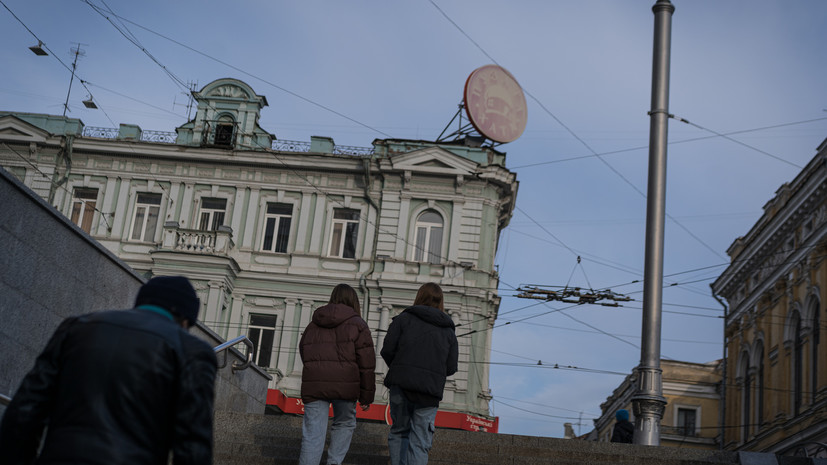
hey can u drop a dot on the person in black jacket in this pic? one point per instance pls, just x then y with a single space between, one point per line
421 351
623 430
119 387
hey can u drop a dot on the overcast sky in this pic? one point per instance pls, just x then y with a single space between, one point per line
748 76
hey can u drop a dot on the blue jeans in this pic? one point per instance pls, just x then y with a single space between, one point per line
314 429
412 432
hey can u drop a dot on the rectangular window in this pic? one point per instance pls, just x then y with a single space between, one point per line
147 208
83 207
277 227
686 421
261 332
345 233
212 213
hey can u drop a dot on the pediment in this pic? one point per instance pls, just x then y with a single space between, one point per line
13 128
433 160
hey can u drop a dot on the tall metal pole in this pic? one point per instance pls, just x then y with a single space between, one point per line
648 402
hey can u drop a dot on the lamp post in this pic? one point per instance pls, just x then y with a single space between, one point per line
648 402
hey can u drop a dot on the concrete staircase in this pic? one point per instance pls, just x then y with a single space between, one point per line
252 439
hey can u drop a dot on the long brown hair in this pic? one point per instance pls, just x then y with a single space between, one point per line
345 295
430 294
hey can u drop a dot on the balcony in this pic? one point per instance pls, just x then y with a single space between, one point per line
219 242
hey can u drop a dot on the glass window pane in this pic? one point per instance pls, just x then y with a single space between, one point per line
350 240
266 348
283 235
213 204
430 217
217 220
419 248
268 321
138 225
269 228
151 224
346 214
435 246
204 224
279 209
336 240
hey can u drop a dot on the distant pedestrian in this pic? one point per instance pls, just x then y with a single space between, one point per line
421 351
339 362
119 387
624 430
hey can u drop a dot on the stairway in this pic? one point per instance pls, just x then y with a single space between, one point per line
253 439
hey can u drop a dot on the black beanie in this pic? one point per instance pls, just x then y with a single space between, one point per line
173 293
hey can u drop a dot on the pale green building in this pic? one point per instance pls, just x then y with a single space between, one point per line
266 228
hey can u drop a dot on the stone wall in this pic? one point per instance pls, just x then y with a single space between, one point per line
50 270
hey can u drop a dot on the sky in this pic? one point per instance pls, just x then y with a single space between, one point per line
748 77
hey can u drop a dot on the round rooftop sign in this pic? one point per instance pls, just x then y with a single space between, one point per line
495 103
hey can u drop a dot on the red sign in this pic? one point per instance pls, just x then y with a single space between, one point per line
380 412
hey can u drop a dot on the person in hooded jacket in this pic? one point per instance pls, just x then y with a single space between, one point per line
421 352
623 431
339 362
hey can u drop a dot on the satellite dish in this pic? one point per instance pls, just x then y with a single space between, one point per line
495 103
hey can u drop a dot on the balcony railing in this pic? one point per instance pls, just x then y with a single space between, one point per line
169 137
218 242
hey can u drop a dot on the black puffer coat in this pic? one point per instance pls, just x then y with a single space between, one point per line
338 356
118 387
420 350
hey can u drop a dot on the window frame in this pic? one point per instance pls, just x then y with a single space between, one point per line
257 346
277 227
344 232
425 253
680 427
85 218
147 207
211 211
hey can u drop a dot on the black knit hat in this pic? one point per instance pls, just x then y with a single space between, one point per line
173 293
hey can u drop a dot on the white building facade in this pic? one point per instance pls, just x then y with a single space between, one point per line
265 229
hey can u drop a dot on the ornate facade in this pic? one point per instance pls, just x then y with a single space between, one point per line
775 378
691 418
266 228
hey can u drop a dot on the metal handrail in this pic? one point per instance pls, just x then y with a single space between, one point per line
4 399
802 447
237 366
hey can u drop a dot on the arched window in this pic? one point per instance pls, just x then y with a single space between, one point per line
746 395
815 329
224 130
797 362
428 238
759 385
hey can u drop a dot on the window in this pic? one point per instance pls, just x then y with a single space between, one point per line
686 421
212 213
224 131
83 207
276 227
345 233
814 336
798 371
759 388
428 241
145 220
746 395
261 332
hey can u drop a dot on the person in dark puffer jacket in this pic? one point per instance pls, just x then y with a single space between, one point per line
339 362
421 351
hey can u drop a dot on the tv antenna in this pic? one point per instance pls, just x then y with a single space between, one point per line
77 52
191 86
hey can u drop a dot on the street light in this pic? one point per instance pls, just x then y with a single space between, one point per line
38 49
89 103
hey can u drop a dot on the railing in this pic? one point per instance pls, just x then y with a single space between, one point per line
4 399
807 449
169 137
226 346
197 241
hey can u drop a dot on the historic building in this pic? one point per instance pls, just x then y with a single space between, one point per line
776 394
266 228
691 418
